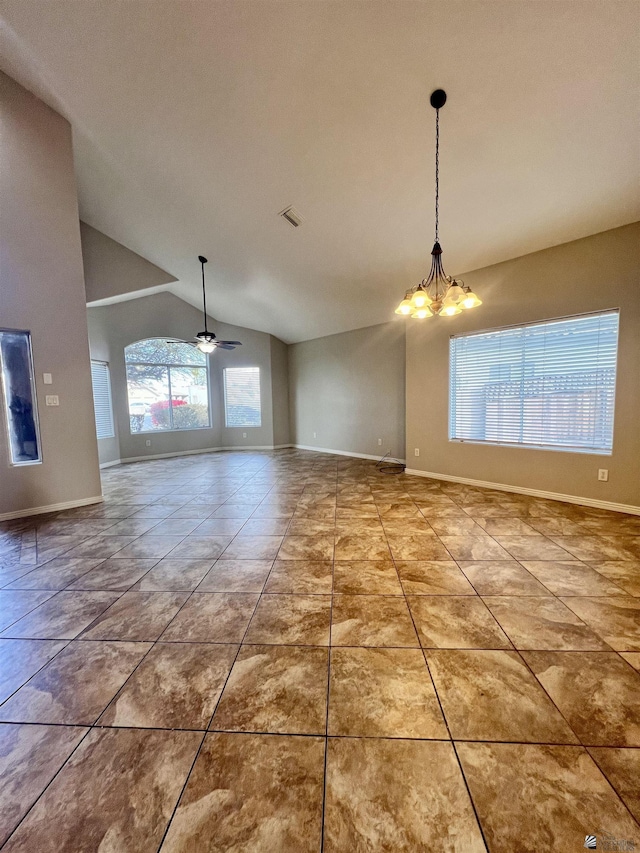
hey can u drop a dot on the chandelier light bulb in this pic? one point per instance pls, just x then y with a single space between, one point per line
470 300
421 314
405 307
420 298
448 310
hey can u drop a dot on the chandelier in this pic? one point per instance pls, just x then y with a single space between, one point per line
439 293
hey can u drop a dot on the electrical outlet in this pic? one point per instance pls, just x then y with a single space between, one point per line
52 400
47 379
416 452
315 435
244 435
148 442
379 441
603 474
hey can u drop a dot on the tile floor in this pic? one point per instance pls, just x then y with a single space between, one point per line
289 651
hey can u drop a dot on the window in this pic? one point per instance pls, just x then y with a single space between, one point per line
168 386
547 385
19 392
242 397
102 399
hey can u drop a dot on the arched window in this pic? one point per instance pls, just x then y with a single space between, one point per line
168 386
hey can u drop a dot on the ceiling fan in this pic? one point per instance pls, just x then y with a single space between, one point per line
206 341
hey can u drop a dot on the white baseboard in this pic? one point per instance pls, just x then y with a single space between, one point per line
40 510
536 493
128 459
343 453
110 464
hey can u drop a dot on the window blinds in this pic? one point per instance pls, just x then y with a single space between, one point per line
546 385
242 397
102 399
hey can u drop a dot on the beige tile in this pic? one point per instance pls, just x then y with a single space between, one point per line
506 527
531 798
433 577
383 693
474 548
362 546
291 620
200 548
236 576
114 574
375 577
212 617
372 802
492 695
371 620
137 616
598 693
417 547
30 756
174 576
15 603
533 548
462 526
301 576
571 578
253 548
116 792
542 623
616 620
456 622
622 769
592 548
76 686
148 546
625 574
56 574
318 547
20 659
501 577
633 658
61 617
279 689
252 792
176 686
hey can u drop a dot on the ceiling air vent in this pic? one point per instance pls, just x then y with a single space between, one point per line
291 216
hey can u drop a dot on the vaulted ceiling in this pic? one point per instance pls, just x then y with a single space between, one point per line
196 123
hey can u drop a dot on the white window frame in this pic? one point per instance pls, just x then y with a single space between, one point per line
168 368
111 430
595 449
226 410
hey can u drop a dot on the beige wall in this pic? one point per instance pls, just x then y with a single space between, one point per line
113 327
42 290
280 391
110 269
349 390
592 274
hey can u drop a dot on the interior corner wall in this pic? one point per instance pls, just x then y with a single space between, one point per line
280 392
593 274
347 391
42 291
164 315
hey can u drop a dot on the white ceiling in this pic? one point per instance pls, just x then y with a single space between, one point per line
195 123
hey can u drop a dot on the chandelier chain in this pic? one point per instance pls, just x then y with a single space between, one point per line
437 167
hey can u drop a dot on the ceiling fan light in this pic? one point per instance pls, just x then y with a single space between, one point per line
205 346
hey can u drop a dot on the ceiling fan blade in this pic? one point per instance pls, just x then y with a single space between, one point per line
224 346
231 343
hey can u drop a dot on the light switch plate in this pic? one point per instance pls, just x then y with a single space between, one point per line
47 379
52 400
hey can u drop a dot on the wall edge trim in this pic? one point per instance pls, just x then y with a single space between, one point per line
40 510
342 452
126 459
536 493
